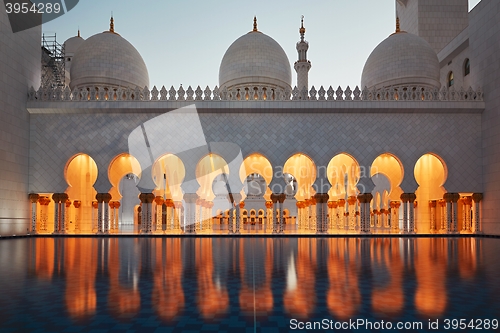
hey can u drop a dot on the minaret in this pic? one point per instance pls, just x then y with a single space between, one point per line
302 66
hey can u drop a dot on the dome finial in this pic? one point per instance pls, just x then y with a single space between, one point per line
255 23
79 32
302 30
111 24
397 24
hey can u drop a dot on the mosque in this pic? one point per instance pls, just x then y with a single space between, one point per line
88 147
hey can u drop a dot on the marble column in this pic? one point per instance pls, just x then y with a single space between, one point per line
57 212
105 218
147 212
176 215
78 215
343 225
239 207
269 216
321 212
159 214
281 199
395 216
274 198
364 212
447 197
94 217
432 210
405 198
412 204
351 201
65 206
299 205
476 223
190 212
33 197
44 213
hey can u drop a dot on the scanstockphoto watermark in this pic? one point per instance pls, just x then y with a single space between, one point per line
356 324
26 14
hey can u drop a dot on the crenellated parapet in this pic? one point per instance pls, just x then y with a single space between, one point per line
254 93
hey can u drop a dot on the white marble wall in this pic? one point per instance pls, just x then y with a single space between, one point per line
20 67
484 32
437 21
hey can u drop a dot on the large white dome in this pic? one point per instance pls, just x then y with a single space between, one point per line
110 60
255 59
401 59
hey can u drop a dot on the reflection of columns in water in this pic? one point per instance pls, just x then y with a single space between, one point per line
477 197
343 297
168 294
33 199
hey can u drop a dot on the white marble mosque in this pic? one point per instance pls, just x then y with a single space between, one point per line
415 149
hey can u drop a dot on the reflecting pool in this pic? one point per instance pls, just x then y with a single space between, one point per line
249 284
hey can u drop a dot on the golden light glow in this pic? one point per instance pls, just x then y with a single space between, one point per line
304 170
430 174
338 167
392 168
168 173
120 166
81 174
207 169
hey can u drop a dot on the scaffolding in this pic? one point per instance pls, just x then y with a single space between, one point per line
53 62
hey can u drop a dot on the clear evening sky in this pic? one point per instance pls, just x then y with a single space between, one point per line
183 42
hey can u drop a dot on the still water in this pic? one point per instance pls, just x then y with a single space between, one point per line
249 284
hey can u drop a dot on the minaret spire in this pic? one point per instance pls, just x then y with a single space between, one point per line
302 65
79 32
302 30
398 29
255 23
111 24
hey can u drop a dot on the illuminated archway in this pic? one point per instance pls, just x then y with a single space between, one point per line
257 164
168 172
81 174
390 166
207 169
343 173
119 167
430 174
303 170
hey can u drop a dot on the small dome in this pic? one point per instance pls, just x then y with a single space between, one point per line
255 59
401 59
72 44
110 60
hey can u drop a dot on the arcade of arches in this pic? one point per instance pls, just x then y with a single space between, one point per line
271 200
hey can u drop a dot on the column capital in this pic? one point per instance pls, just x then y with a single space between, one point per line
412 197
477 197
321 197
332 204
77 203
56 197
351 200
103 197
269 204
341 202
68 203
432 203
404 197
169 202
95 204
146 197
274 197
242 204
159 200
190 197
33 197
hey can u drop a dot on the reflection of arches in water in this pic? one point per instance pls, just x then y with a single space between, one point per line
343 298
387 272
430 173
430 264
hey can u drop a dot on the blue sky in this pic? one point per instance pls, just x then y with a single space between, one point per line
183 42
